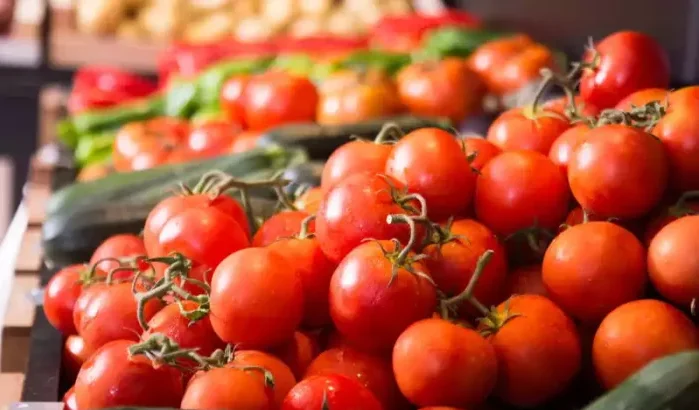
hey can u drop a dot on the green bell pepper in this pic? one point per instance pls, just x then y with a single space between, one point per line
455 42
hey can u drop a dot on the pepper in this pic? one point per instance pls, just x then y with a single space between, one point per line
388 62
455 41
94 149
98 86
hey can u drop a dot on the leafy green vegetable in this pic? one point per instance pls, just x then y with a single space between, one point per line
455 42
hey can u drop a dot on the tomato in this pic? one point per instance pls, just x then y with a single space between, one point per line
309 201
368 95
315 271
228 388
298 353
276 98
113 378
563 147
622 63
452 264
618 171
352 158
673 261
111 315
268 302
438 363
284 379
494 54
60 296
374 297
526 280
510 193
69 402
642 97
332 391
146 144
244 141
117 246
667 215
364 197
372 371
584 287
686 96
636 333
447 88
431 162
481 150
279 226
577 216
534 364
84 299
561 105
172 206
679 132
231 98
75 353
212 139
527 128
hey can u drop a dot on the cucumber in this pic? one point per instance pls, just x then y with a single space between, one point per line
669 383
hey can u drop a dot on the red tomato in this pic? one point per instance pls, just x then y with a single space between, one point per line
111 315
642 97
298 353
283 225
268 302
75 353
373 372
284 379
228 388
679 132
686 96
332 391
526 280
438 363
374 297
277 98
315 271
526 128
309 201
364 197
452 264
561 105
117 246
212 139
509 193
577 216
563 147
60 296
447 88
245 141
618 171
431 162
577 281
623 62
673 261
352 158
113 378
667 215
146 144
481 150
231 98
534 364
84 299
69 402
636 333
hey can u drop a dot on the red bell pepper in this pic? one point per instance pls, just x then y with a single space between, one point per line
98 86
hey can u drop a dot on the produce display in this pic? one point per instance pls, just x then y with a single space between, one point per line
546 265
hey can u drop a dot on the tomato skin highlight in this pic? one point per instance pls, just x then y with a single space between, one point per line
279 226
69 402
566 143
117 246
431 162
212 139
84 299
581 285
618 171
636 333
268 303
525 129
111 378
309 201
354 157
75 353
231 98
438 363
339 392
227 388
60 296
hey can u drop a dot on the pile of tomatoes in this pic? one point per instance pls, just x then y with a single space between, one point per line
426 271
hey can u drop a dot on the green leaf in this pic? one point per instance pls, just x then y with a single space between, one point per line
93 145
210 82
299 64
181 98
391 63
455 42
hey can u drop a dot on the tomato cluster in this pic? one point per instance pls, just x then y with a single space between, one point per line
373 290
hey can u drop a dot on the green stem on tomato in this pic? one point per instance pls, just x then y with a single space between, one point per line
467 294
389 132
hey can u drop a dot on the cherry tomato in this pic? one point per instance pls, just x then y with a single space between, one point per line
111 315
113 378
332 391
491 55
642 97
228 388
276 98
452 264
268 302
84 299
526 280
509 193
636 333
679 132
431 162
352 158
561 105
231 98
315 271
245 141
686 96
623 62
618 171
284 379
283 225
667 215
481 150
563 147
447 88
577 216
438 363
309 201
117 246
212 139
577 281
298 353
146 144
364 197
60 296
527 128
75 353
69 402
372 371
534 364
374 296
